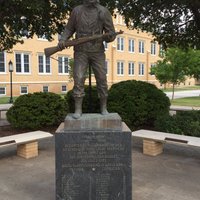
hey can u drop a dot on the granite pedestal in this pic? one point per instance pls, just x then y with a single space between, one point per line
93 158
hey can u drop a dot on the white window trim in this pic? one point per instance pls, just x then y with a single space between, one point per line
153 47
42 39
120 67
62 89
107 68
45 86
44 64
121 38
5 60
139 46
22 63
105 45
139 69
63 65
133 68
133 45
1 95
21 90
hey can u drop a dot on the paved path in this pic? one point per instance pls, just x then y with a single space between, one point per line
181 94
173 175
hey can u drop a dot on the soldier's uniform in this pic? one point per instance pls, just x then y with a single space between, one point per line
87 20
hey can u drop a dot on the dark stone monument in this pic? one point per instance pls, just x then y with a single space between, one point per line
93 158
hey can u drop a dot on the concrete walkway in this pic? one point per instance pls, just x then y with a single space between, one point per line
173 175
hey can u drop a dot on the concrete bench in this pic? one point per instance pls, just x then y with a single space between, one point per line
153 141
3 112
27 143
3 109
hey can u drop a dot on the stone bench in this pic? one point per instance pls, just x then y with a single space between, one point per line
153 141
3 112
27 143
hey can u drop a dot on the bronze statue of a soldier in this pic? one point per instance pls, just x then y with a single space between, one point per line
89 19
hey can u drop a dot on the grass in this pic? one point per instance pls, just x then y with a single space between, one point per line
187 101
196 87
5 100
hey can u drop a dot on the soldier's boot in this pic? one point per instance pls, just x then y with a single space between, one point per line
78 107
103 106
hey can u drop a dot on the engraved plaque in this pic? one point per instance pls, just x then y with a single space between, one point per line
93 165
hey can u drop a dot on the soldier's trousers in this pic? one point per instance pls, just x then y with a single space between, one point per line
97 62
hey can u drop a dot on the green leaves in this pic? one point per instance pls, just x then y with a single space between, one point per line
171 22
33 111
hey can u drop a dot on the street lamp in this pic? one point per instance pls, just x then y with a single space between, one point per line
10 64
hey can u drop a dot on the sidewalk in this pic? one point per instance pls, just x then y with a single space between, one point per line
173 175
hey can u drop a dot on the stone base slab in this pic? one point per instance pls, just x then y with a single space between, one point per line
94 122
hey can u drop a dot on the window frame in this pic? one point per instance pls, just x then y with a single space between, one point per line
120 44
141 68
63 65
131 68
131 45
22 62
4 62
120 68
44 65
141 46
21 93
3 87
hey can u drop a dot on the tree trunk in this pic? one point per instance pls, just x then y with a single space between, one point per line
173 91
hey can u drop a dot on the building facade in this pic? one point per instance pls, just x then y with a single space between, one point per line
130 56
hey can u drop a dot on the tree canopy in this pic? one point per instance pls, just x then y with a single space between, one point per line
172 22
176 65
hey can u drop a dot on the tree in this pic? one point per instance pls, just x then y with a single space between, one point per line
173 68
193 68
26 18
172 22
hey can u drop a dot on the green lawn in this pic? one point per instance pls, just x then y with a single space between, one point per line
187 101
5 100
196 87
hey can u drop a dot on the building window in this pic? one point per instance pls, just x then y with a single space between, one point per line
141 69
2 91
2 62
44 64
64 88
131 68
120 68
63 65
42 37
106 67
105 45
120 44
153 48
45 88
23 90
22 61
141 46
131 45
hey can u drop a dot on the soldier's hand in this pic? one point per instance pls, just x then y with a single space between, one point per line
61 44
109 37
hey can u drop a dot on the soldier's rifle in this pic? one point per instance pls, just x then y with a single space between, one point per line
51 50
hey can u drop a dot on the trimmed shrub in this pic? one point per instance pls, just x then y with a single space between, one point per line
184 123
33 111
138 103
95 104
